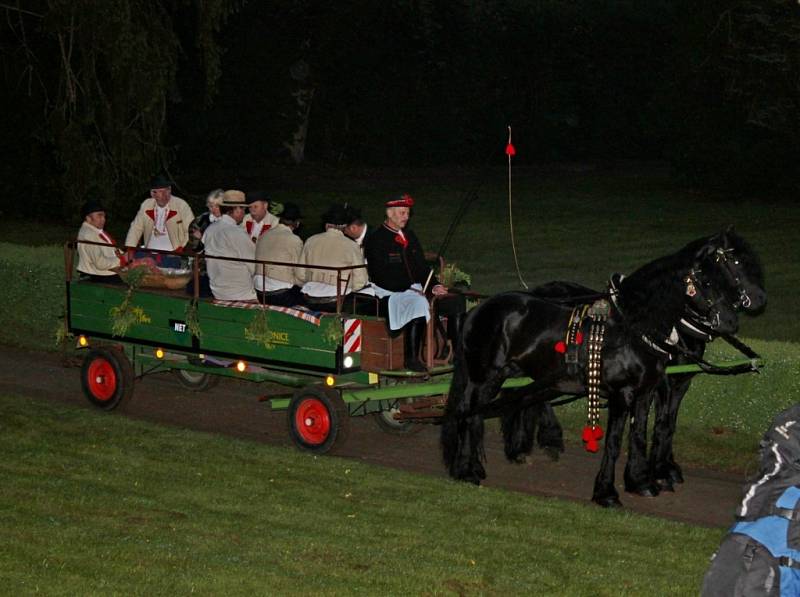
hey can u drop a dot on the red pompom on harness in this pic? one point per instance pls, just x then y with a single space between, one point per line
590 436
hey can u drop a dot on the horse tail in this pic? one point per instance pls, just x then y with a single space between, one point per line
452 421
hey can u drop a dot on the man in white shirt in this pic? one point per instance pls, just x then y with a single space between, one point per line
162 221
259 220
230 280
97 263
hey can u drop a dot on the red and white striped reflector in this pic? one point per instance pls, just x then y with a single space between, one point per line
352 335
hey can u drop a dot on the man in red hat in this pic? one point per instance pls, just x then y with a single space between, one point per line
398 270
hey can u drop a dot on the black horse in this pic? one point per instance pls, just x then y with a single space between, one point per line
516 333
737 270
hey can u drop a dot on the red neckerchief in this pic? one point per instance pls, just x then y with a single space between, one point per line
249 226
152 214
107 237
399 237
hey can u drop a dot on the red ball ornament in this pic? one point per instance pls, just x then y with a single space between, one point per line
560 347
510 151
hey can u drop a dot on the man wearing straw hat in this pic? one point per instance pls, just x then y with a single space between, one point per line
398 270
230 280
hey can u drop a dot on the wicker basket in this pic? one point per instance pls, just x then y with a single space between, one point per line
170 279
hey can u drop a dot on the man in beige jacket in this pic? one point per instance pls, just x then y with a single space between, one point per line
277 284
97 263
162 221
333 249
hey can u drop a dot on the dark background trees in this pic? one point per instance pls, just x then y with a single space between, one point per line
98 96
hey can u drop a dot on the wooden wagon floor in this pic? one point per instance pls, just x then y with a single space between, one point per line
707 498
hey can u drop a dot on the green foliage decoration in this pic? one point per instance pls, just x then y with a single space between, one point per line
192 321
126 314
452 275
62 334
258 330
333 332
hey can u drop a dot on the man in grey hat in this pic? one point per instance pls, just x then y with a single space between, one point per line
230 280
277 284
162 221
97 263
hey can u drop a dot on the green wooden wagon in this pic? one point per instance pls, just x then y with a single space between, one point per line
327 366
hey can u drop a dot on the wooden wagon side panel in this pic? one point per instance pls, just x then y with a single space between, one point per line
379 351
91 303
292 339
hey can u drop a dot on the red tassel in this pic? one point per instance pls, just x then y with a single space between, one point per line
560 347
590 436
579 338
510 151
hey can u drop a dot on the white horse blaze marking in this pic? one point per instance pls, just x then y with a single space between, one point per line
352 335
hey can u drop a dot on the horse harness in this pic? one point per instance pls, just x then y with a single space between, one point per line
597 313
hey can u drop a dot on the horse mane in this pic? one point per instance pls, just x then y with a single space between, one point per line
652 298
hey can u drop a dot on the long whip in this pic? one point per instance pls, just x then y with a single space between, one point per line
511 152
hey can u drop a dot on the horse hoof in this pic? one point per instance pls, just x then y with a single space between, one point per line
553 453
665 484
649 491
675 476
610 501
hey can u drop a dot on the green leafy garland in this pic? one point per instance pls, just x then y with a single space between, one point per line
125 315
258 330
192 320
333 333
452 275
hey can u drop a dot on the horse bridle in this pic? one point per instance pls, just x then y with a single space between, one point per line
729 266
701 301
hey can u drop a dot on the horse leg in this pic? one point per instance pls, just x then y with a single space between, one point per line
604 492
537 420
666 471
518 426
550 436
638 478
462 431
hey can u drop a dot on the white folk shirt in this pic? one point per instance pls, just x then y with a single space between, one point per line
229 280
159 240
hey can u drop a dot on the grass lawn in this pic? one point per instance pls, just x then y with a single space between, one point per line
98 504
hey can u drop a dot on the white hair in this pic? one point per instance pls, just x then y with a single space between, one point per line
215 198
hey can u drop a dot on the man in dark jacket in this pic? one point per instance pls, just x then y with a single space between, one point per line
398 271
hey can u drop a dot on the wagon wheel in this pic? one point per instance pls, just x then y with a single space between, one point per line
107 377
195 381
318 419
385 420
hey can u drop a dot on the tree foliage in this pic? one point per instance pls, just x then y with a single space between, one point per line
97 78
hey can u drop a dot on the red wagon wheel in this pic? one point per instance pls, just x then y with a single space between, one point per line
107 377
318 419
